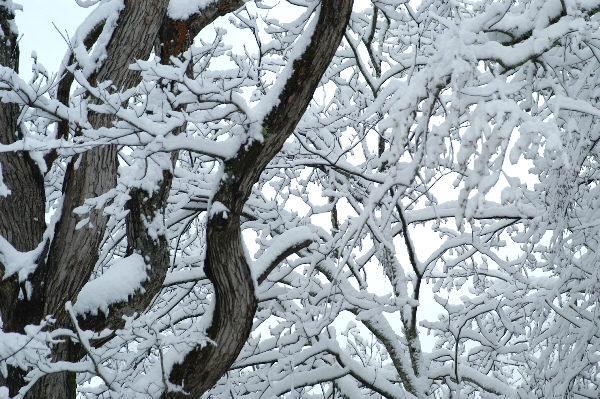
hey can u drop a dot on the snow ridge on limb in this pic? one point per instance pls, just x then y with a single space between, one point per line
280 248
116 284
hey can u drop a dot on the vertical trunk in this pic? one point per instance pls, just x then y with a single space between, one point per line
22 221
95 172
22 217
74 253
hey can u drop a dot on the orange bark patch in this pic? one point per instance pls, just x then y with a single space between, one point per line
177 42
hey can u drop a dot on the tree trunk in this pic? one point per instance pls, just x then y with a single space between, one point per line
74 253
22 221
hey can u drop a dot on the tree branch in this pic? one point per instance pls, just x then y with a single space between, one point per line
280 258
225 263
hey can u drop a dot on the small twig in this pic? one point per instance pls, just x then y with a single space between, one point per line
86 345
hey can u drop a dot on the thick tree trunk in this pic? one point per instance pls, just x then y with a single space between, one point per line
22 221
74 252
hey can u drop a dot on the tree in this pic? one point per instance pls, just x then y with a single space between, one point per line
62 261
369 152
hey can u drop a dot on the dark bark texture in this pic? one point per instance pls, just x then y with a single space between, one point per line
69 257
22 221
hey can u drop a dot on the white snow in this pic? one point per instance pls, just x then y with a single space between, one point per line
4 190
279 245
107 12
182 9
218 208
122 279
271 99
14 261
184 276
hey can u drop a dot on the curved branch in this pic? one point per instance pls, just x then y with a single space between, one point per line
280 258
226 264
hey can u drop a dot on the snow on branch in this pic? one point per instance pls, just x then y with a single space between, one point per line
122 279
280 248
17 262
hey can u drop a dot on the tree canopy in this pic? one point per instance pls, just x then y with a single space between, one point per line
389 199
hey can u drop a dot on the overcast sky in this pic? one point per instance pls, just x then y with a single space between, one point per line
37 32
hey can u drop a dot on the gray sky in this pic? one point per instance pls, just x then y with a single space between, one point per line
37 32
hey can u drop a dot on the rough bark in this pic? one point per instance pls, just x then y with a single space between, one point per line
225 262
20 174
175 37
74 252
63 93
94 173
22 221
